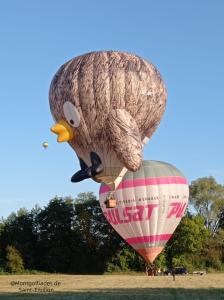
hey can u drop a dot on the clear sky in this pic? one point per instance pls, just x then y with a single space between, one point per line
183 39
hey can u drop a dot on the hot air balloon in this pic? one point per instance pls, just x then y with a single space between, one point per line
106 104
150 205
45 145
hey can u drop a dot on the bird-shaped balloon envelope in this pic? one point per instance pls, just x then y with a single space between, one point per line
107 104
150 205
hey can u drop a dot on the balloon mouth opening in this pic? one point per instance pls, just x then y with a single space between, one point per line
150 254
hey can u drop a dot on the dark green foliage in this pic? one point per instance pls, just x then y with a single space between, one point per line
98 241
126 259
55 236
187 244
213 253
67 236
221 221
18 232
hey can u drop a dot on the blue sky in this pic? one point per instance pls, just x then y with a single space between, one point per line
183 39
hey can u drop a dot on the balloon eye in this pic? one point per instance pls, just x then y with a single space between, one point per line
71 114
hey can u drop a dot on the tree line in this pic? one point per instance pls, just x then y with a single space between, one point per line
72 236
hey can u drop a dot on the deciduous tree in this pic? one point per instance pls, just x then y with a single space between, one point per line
207 197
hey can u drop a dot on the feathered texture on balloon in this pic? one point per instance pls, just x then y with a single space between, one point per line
107 103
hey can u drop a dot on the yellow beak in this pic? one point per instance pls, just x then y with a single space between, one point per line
63 130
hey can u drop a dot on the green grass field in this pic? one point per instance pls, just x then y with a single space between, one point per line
133 287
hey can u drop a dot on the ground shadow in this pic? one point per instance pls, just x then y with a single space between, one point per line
121 294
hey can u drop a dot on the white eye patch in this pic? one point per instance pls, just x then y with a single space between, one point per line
71 114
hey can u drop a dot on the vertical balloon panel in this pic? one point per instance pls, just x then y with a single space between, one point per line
150 205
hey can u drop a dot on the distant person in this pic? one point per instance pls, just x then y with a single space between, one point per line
155 271
150 270
173 273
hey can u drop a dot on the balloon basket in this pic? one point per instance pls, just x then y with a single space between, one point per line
111 203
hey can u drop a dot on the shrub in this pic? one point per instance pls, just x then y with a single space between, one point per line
14 260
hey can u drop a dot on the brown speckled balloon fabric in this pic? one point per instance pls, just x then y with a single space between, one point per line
120 98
